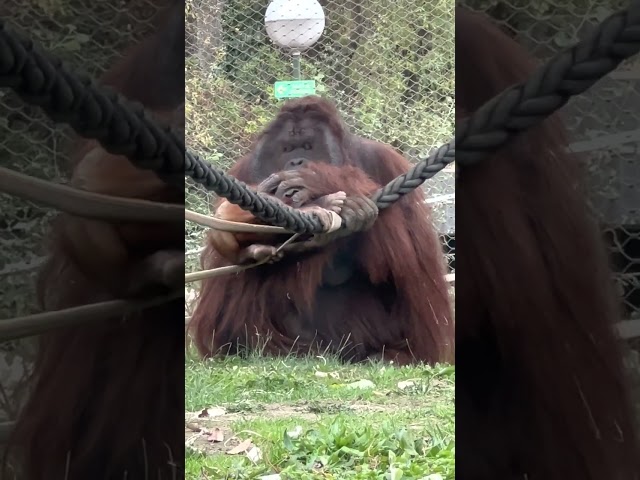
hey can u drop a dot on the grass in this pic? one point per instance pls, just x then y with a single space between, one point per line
315 418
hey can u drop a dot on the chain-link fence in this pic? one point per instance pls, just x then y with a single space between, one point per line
388 65
89 36
604 123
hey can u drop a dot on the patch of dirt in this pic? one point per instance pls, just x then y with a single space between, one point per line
204 428
198 428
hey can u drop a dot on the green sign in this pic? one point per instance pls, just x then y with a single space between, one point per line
294 88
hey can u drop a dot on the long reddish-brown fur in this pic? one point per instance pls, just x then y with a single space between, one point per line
400 258
541 390
107 398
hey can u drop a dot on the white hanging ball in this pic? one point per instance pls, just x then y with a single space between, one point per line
294 24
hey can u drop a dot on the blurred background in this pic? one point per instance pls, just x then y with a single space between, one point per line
605 128
89 36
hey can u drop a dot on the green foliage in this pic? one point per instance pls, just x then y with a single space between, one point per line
390 69
380 452
309 421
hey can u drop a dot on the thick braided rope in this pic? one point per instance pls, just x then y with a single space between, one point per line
238 193
520 107
569 73
124 128
416 176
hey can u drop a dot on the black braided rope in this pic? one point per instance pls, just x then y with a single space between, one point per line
522 106
416 176
124 128
238 193
569 73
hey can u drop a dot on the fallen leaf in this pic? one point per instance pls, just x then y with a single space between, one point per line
406 384
241 448
216 436
362 384
254 454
